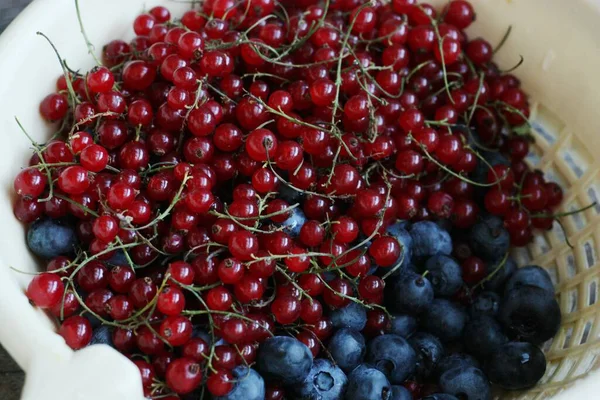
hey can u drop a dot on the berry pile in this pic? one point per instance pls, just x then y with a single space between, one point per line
302 199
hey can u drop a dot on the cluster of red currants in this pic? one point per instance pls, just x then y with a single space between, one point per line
218 165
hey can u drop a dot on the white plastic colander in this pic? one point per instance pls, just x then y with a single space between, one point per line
560 41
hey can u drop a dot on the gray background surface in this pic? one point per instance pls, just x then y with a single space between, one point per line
11 377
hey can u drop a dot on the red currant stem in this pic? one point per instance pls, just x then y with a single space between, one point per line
81 206
451 85
286 256
89 119
365 72
503 40
161 166
490 168
395 268
220 93
221 248
266 74
481 78
293 282
517 65
492 274
334 163
36 148
367 173
63 65
345 296
448 170
104 321
208 311
127 257
167 211
562 227
198 289
564 214
254 229
392 173
441 48
264 124
197 99
469 64
338 74
507 107
417 69
298 189
89 44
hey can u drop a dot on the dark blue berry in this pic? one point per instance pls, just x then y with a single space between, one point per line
488 238
392 355
409 293
444 319
531 275
400 393
284 359
347 348
353 316
529 313
444 274
516 366
102 335
368 383
487 303
249 385
429 353
294 223
483 335
325 381
402 325
498 273
466 383
429 239
49 238
440 396
456 360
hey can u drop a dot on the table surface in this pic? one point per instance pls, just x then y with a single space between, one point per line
11 376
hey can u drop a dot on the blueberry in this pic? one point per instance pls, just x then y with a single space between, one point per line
483 335
531 275
289 195
294 223
119 258
402 325
199 331
102 335
249 385
489 240
353 316
516 365
325 381
456 360
284 359
466 383
392 355
428 239
444 274
347 348
530 314
49 238
487 303
492 158
429 352
498 273
409 293
368 383
398 231
444 319
400 393
440 396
